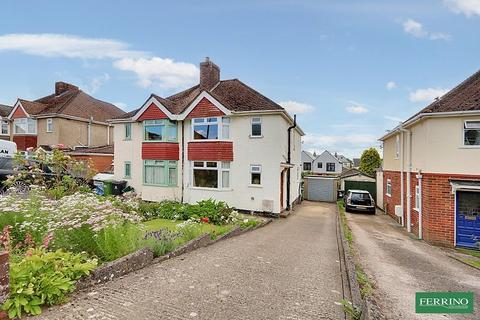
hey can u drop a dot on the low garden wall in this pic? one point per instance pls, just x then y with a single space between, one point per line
4 280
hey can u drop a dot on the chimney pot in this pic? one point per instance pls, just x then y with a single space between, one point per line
209 74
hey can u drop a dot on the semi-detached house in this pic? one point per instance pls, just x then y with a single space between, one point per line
220 139
431 169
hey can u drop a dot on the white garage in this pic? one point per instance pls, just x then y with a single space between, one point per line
320 189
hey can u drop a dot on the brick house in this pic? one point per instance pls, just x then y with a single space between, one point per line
220 139
69 116
431 169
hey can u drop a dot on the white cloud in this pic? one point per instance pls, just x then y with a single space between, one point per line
164 73
294 107
60 45
96 83
391 85
417 30
349 145
356 107
152 71
467 7
121 105
428 94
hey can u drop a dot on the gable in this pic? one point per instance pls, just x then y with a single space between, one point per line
327 157
19 112
205 109
152 113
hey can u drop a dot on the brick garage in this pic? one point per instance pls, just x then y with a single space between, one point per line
438 204
100 157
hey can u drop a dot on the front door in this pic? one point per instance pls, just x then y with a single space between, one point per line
468 219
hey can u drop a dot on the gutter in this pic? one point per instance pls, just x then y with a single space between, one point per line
289 158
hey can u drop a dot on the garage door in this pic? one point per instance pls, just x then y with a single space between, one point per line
321 189
468 219
362 185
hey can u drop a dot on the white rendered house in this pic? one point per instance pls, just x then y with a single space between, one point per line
219 139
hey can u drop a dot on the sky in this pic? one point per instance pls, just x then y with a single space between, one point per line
350 70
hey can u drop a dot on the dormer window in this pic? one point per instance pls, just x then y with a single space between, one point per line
214 128
25 126
471 133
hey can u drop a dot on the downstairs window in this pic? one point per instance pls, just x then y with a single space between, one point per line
211 174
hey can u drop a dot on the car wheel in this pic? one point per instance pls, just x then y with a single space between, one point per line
19 187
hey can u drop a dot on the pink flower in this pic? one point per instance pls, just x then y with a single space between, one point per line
47 240
205 220
30 149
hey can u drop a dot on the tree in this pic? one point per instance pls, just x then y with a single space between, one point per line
370 161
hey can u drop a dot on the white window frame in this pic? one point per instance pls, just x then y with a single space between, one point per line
166 124
4 122
255 168
25 122
397 146
128 131
388 192
417 198
334 167
129 165
49 125
165 165
220 122
465 128
256 120
222 166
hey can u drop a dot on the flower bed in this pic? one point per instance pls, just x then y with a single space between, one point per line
53 240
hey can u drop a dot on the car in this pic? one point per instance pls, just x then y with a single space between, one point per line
359 200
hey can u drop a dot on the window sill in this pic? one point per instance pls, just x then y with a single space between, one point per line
156 141
211 189
255 137
388 195
212 140
127 178
255 186
416 209
159 185
469 147
127 140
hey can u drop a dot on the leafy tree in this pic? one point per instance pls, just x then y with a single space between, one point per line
370 161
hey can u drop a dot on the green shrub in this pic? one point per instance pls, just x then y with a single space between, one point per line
77 240
44 278
13 219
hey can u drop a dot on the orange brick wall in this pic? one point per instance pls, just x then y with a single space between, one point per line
100 163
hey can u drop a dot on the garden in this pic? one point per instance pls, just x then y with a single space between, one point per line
60 231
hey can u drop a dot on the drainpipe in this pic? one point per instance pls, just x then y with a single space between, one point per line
108 135
289 158
420 213
409 170
183 161
89 132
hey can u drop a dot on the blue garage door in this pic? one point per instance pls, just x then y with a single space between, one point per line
468 219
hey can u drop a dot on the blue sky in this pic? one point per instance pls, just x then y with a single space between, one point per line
350 69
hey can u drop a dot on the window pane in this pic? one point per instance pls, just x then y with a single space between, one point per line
225 165
198 164
172 176
172 133
202 132
154 133
225 179
212 120
4 127
211 164
472 137
256 120
255 168
255 178
226 132
155 175
205 178
256 129
128 130
201 120
472 124
127 170
226 120
20 126
31 126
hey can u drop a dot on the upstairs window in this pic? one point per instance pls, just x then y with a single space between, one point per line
49 125
214 128
4 127
160 130
330 167
255 174
128 131
307 166
256 127
211 174
471 133
319 165
25 126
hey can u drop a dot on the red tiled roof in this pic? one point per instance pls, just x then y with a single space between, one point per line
100 150
5 110
73 102
233 94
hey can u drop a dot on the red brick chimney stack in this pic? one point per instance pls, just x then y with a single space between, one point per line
209 74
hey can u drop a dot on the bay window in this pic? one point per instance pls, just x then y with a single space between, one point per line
4 127
471 133
25 126
160 172
213 128
160 130
211 174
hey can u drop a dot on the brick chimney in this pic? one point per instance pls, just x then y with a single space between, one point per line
61 87
209 74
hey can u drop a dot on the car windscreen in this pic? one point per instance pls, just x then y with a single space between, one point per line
360 196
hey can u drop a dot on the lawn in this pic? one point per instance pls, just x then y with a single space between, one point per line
213 230
475 261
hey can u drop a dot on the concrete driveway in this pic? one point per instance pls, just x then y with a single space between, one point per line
401 266
288 270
